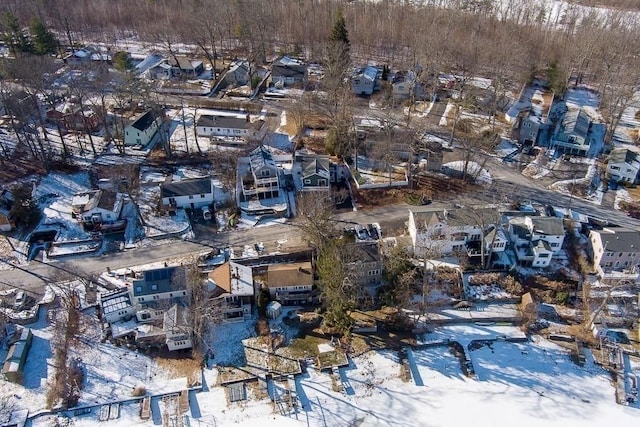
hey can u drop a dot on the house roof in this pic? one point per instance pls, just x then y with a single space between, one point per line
549 225
261 157
576 122
369 72
228 122
364 252
624 155
185 63
541 245
425 219
188 187
107 199
288 67
151 60
316 166
115 300
177 317
239 66
619 239
233 278
144 121
159 281
295 274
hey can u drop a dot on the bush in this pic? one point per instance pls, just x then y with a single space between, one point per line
262 327
139 391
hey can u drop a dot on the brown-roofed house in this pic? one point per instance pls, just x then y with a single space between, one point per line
291 284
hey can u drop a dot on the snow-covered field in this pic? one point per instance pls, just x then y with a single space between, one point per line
482 176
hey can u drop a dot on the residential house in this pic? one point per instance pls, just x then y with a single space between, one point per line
188 193
97 207
116 305
365 263
75 117
473 232
151 61
292 283
575 135
624 165
263 179
365 81
536 239
238 74
184 67
231 286
160 71
13 367
313 172
530 114
287 72
615 252
177 328
142 130
87 55
406 84
153 286
230 126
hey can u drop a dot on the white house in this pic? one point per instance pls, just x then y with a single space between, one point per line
159 284
615 252
365 81
624 164
437 232
189 193
177 328
116 305
231 286
210 125
263 179
97 206
536 239
142 130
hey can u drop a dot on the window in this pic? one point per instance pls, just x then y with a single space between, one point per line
202 196
190 197
615 168
322 182
264 172
154 287
554 245
620 254
138 289
543 256
307 181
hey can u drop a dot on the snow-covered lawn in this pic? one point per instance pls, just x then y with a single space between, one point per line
482 176
54 193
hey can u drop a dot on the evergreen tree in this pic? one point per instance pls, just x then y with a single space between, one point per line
339 34
13 35
25 210
44 41
121 61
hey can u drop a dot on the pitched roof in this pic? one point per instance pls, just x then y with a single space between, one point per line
233 278
295 274
619 239
188 187
144 121
107 199
287 67
624 155
260 157
228 122
576 122
316 166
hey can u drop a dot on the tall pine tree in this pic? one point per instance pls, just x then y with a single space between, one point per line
13 35
44 41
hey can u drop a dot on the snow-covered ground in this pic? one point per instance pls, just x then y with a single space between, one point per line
473 169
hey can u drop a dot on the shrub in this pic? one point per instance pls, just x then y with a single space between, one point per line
139 391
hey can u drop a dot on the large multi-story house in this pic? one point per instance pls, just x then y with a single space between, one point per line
287 71
365 81
142 130
262 181
623 165
231 288
615 252
313 172
437 233
575 135
536 239
291 283
365 263
152 309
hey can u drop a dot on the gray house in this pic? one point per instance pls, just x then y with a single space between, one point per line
365 81
160 284
574 134
287 71
262 181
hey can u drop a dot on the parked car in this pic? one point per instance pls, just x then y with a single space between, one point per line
21 300
206 213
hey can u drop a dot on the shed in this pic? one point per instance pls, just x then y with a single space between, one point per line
274 308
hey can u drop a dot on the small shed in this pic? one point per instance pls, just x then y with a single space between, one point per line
274 308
